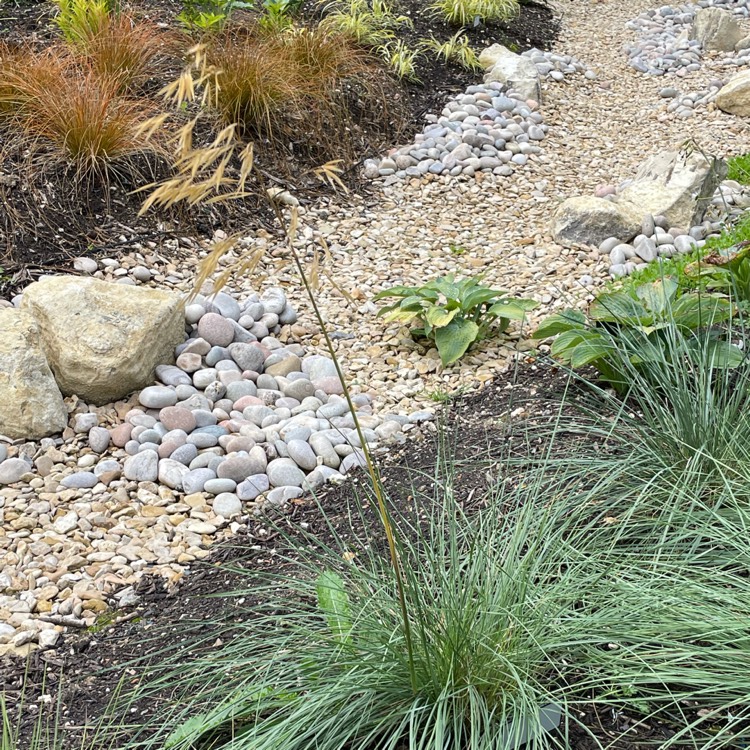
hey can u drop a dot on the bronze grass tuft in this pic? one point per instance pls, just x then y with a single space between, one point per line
302 89
67 112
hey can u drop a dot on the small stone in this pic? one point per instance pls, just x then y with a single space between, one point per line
66 523
177 418
237 467
215 329
172 473
195 480
99 438
142 467
84 422
80 480
12 469
302 454
157 397
252 487
227 505
216 486
247 356
284 472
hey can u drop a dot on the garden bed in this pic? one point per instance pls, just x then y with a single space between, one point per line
101 217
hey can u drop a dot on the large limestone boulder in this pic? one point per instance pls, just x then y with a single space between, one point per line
518 73
716 29
675 184
589 221
104 340
734 97
31 405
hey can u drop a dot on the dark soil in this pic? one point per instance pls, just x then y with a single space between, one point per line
80 676
34 242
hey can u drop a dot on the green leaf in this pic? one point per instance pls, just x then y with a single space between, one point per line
559 323
478 297
589 351
508 308
563 345
454 339
396 291
333 601
619 307
438 317
658 296
701 310
401 315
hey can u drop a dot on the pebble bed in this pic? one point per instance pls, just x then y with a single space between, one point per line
658 239
487 129
662 48
240 420
687 105
404 233
558 67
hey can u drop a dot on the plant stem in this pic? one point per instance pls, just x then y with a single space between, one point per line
371 468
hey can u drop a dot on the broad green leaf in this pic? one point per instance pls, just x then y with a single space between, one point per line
566 341
403 316
333 601
722 355
508 308
478 297
396 291
589 351
438 317
411 303
619 307
454 339
658 296
559 323
701 310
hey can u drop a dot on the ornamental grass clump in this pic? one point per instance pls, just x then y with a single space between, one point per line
63 112
473 12
301 90
322 657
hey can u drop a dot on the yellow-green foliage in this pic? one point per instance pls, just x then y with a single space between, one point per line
466 12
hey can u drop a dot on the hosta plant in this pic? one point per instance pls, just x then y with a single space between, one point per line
726 270
626 331
453 313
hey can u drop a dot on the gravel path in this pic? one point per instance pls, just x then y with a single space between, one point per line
410 231
402 232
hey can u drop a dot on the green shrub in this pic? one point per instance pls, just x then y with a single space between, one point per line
81 20
469 12
626 331
739 169
456 49
368 22
454 314
209 15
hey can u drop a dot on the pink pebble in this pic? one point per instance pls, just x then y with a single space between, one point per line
242 403
331 386
121 434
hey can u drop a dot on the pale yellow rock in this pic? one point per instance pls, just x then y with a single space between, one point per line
103 340
734 97
589 221
675 184
31 405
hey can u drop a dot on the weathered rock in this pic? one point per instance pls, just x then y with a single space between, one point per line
676 185
31 405
589 220
518 73
716 29
734 97
102 340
